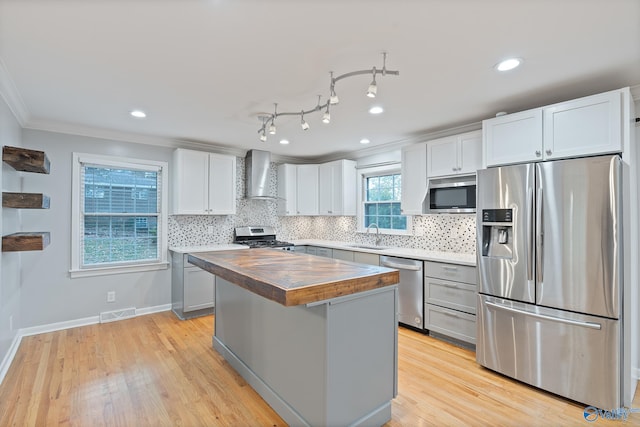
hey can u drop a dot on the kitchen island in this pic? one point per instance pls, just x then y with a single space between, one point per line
315 337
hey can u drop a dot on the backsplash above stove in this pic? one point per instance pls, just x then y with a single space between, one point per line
448 233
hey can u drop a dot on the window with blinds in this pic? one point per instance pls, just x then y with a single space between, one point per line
120 212
382 202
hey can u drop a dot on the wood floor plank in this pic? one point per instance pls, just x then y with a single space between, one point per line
156 370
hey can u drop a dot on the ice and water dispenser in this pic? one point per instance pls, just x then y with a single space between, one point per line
497 233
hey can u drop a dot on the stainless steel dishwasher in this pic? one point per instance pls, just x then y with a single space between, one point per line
410 289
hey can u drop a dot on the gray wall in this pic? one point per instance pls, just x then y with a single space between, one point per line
10 292
49 295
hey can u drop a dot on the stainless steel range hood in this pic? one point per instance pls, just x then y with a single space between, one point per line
257 164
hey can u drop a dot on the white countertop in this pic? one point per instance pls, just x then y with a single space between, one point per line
206 248
421 254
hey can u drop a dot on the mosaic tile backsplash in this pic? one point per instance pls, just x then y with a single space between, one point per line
448 233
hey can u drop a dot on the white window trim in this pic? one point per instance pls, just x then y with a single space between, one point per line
76 212
377 170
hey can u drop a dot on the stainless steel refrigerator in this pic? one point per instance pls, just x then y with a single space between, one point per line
550 276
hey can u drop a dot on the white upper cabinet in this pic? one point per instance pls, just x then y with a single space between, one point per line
203 183
414 178
513 138
287 180
337 188
581 127
307 189
454 155
590 125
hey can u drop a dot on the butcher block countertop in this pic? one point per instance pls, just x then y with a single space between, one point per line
293 279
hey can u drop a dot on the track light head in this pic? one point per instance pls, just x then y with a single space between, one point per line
373 87
272 128
263 137
326 117
303 123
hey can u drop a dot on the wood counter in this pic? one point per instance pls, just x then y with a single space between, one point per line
292 279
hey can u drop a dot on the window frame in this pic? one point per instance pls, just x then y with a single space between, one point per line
77 199
368 172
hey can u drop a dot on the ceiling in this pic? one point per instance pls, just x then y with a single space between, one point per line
204 70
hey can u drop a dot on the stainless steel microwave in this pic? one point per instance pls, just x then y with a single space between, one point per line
452 195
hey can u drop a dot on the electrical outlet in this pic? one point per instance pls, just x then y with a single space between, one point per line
111 296
210 229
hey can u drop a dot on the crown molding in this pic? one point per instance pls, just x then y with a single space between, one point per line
10 94
398 144
93 132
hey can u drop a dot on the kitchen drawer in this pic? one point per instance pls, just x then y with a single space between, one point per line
343 255
366 258
452 323
325 252
455 295
455 272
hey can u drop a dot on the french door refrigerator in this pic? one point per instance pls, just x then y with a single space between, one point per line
550 276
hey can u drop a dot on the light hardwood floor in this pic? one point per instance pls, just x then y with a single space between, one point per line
158 371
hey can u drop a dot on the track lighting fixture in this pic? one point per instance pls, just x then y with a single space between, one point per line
332 100
373 87
326 117
303 123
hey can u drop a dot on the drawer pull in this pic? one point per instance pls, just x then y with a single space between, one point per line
450 285
445 268
450 314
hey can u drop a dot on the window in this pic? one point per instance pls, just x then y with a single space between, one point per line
381 195
119 215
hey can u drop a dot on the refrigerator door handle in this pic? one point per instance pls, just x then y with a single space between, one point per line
589 325
531 247
539 237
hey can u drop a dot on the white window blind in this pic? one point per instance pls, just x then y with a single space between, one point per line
121 214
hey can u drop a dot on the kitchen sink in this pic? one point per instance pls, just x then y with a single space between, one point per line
374 247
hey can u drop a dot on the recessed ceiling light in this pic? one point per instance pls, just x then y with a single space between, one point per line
139 114
508 64
376 109
284 141
364 141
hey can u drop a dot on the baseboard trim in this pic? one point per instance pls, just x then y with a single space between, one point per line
8 358
151 310
58 326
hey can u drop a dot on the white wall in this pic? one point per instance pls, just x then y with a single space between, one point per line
10 291
49 295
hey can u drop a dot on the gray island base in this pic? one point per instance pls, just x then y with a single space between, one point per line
332 363
317 338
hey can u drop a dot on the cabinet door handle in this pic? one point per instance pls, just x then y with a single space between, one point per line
538 153
548 152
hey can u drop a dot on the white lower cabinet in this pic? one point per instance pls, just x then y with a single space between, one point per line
192 288
450 302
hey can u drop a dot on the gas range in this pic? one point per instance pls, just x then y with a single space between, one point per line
260 237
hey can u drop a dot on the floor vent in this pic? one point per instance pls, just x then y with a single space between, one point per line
112 316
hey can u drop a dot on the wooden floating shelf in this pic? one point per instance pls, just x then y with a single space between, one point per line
25 241
25 200
22 159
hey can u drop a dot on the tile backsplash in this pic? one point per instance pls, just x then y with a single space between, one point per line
449 233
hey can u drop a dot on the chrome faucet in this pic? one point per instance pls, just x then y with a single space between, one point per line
373 224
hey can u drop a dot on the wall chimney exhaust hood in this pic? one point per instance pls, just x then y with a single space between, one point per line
257 164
